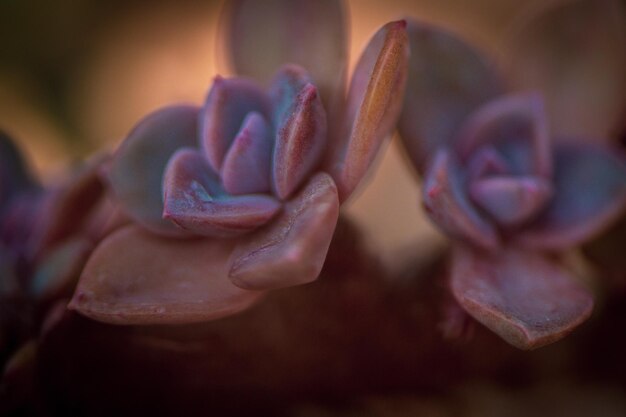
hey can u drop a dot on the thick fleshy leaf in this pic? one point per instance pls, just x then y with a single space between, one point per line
291 250
373 108
14 174
516 126
194 200
227 105
447 203
510 200
136 171
589 194
524 297
260 37
66 209
574 52
246 168
448 79
300 141
135 277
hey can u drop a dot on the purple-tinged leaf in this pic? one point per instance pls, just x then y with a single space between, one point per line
286 85
227 105
575 53
246 168
59 270
524 297
194 200
516 126
373 108
300 141
508 200
260 37
589 194
135 277
14 174
291 250
447 203
136 170
486 161
66 209
448 78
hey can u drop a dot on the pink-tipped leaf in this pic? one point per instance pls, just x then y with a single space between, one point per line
373 107
525 298
135 277
447 203
292 249
300 141
194 200
136 171
225 109
246 168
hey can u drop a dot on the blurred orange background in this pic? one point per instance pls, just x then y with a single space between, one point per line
113 62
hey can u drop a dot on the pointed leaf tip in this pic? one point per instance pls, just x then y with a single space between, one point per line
195 201
524 297
300 140
291 250
373 108
134 277
448 204
228 103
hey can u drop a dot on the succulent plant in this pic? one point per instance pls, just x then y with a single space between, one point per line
242 195
509 195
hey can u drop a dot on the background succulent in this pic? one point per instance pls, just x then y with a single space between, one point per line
506 193
242 195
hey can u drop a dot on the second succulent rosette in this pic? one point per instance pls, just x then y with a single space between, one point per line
242 195
509 194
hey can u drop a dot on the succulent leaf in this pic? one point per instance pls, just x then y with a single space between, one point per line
194 200
246 168
510 200
373 108
524 297
300 141
448 78
516 127
448 205
293 248
135 277
589 194
136 170
227 105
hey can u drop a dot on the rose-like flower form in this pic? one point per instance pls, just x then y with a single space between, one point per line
496 183
242 195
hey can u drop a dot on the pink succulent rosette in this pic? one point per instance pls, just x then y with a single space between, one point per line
242 195
509 195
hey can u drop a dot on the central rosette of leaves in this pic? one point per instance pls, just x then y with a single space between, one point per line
499 175
257 148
